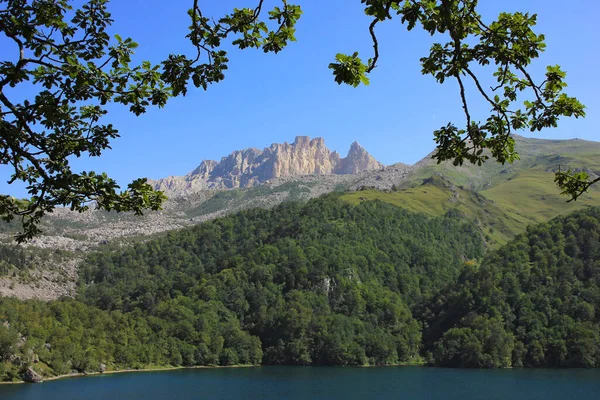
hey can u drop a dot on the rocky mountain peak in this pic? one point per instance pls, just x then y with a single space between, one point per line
251 167
355 146
358 160
205 168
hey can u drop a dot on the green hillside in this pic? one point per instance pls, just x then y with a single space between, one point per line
535 302
323 283
535 154
437 195
533 195
505 199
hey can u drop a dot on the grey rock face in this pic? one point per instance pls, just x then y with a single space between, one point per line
252 167
384 179
30 376
357 161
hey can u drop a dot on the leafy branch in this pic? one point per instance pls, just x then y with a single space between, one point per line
77 70
574 184
511 45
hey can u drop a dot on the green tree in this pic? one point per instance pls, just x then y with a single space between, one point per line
8 342
509 44
77 70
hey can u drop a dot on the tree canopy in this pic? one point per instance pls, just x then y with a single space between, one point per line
77 70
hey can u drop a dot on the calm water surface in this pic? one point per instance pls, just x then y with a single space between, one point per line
320 383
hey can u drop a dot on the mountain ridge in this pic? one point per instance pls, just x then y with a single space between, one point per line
251 167
502 199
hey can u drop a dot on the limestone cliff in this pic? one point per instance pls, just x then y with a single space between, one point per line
357 161
251 167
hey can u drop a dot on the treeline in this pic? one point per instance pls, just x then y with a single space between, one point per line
324 283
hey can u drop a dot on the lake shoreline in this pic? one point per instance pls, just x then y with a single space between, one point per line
162 369
122 371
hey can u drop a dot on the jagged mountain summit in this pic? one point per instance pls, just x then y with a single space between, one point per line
252 167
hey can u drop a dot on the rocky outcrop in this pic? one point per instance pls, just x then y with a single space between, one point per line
386 179
30 376
252 167
357 161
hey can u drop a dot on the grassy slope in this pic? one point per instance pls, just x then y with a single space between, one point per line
437 196
539 154
534 196
505 198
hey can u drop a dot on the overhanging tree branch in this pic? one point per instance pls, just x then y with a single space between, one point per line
79 69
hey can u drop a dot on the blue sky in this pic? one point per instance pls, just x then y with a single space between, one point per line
273 98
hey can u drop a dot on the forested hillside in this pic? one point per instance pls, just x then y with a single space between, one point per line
320 283
535 302
325 283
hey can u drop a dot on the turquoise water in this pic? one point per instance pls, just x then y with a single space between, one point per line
320 383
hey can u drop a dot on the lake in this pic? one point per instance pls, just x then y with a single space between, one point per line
319 383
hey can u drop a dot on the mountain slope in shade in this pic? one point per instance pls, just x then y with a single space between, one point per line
252 167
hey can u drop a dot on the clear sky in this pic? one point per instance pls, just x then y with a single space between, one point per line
273 98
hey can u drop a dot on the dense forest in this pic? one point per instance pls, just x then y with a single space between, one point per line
324 283
535 302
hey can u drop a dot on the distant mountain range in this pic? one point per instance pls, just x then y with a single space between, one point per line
252 167
502 199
